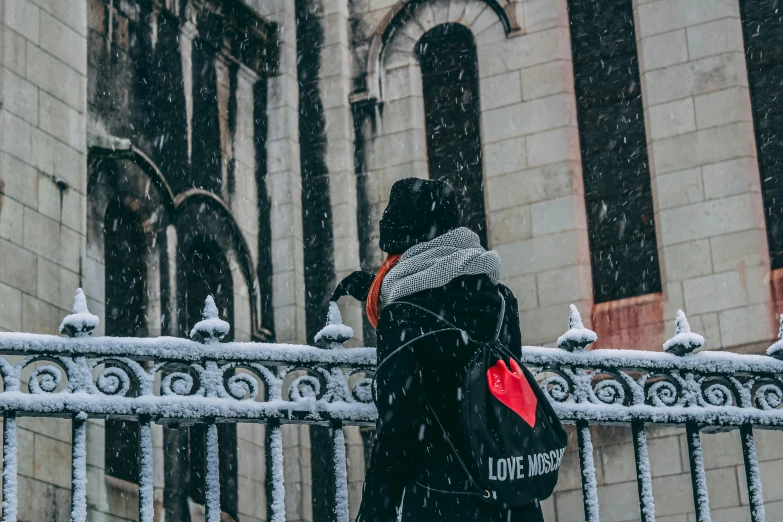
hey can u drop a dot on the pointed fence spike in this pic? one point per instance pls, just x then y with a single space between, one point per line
335 333
577 338
211 328
776 350
684 341
574 318
80 322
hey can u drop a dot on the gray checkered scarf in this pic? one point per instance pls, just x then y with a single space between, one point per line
435 263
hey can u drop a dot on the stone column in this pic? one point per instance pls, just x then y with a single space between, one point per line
223 73
244 202
706 187
532 166
334 86
335 89
284 190
43 188
284 181
188 33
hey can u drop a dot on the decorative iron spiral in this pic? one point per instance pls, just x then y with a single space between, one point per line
718 395
45 379
663 393
243 386
768 397
362 390
177 383
557 387
113 381
304 387
610 391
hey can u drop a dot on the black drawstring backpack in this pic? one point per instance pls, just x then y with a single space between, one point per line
512 443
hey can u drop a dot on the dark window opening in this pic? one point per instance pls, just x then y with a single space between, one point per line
449 70
762 26
208 273
124 247
159 94
618 193
206 154
260 126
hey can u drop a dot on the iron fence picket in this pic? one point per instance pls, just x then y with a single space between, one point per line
341 513
643 472
211 473
275 485
79 468
752 474
701 499
10 464
587 466
146 473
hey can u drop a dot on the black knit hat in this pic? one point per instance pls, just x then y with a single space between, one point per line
419 210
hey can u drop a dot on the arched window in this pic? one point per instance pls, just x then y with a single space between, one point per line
449 72
206 154
208 273
124 248
762 25
159 94
618 193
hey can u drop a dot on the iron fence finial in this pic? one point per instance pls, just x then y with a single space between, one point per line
80 322
211 329
335 333
683 342
577 338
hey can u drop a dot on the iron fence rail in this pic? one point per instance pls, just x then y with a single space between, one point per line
179 380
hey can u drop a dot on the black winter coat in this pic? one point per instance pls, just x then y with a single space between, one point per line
410 454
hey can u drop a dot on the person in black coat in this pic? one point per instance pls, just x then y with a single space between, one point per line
434 268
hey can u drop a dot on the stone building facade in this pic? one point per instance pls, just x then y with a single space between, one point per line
622 155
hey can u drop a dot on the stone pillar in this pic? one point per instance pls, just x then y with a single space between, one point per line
223 74
284 180
284 190
334 86
706 187
532 166
43 186
188 33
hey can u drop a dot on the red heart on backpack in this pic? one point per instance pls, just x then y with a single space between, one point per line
512 389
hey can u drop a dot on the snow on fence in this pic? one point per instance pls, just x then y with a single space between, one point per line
169 379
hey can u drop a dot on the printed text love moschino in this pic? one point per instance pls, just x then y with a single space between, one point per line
512 468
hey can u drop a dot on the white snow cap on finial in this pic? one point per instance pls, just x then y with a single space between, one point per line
80 322
211 329
776 350
577 337
684 341
335 332
574 318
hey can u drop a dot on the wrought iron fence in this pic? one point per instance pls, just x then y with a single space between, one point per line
171 379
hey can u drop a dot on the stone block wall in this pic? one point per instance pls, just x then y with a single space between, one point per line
706 185
43 178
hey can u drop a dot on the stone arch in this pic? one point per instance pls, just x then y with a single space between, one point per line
398 147
132 180
413 18
203 217
162 210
